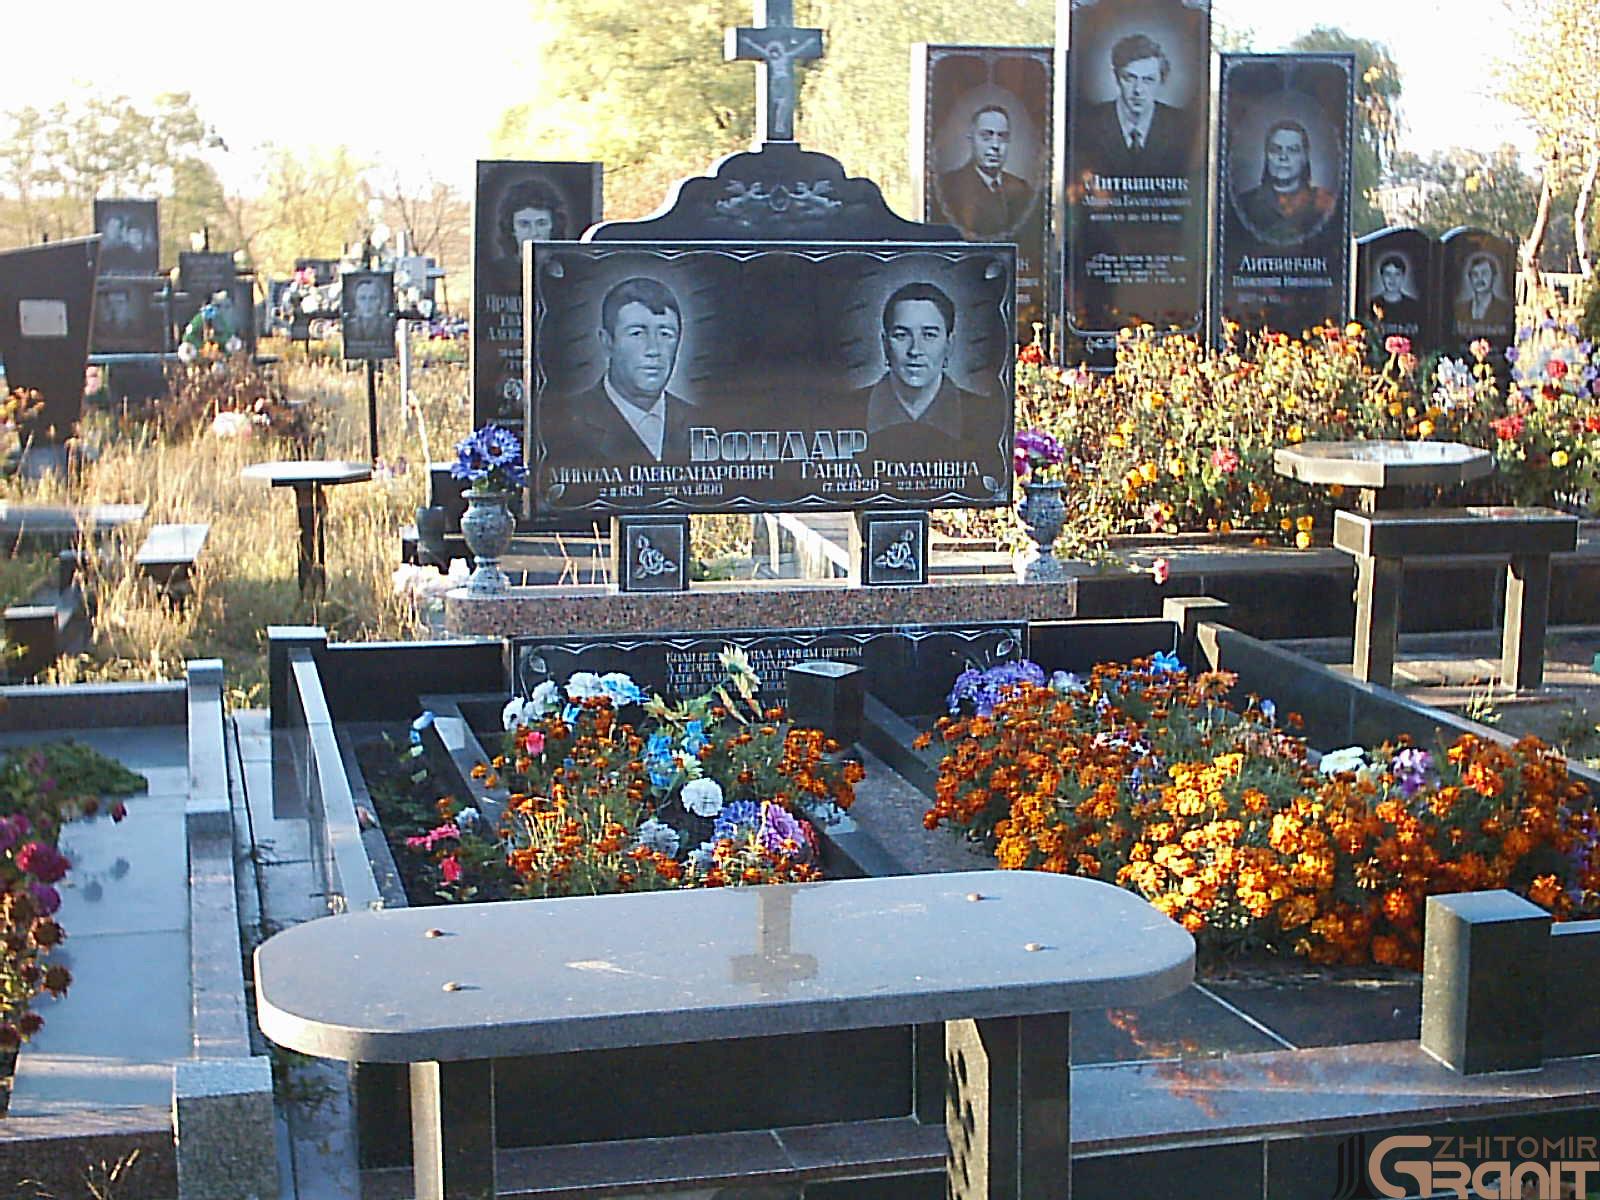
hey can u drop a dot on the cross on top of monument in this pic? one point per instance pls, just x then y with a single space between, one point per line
778 47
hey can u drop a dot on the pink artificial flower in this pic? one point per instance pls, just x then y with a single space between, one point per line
1225 460
450 869
1397 345
532 742
1160 571
1480 349
1556 368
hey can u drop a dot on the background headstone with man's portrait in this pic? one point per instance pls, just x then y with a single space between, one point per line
981 128
367 315
201 275
513 202
130 236
1477 294
773 374
1135 177
1284 125
1396 289
129 315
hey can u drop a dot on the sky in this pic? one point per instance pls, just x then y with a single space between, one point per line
293 73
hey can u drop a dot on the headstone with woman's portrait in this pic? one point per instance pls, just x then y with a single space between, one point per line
981 126
1284 127
1477 292
513 203
1395 291
1135 187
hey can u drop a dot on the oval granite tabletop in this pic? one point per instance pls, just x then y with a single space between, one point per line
549 976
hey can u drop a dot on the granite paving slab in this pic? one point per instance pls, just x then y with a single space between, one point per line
1308 1006
127 877
111 1041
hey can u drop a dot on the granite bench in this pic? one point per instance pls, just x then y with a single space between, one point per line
1382 541
168 554
1001 958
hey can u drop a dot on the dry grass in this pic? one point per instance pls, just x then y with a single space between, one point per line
244 579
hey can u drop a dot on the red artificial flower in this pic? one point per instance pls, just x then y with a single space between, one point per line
1397 345
450 868
1556 368
1160 571
1508 428
1032 354
1225 460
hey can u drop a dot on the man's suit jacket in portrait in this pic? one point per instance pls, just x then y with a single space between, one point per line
588 429
979 210
1168 148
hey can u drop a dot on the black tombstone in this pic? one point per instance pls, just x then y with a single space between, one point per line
129 316
324 270
46 309
1135 181
367 315
1284 128
723 377
1477 293
201 275
982 130
130 236
1396 289
515 202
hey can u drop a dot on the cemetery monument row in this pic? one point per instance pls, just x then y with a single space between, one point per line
1135 180
1283 184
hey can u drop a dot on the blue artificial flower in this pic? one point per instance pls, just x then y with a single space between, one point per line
1166 662
658 760
569 714
737 821
422 722
694 736
1269 712
1511 354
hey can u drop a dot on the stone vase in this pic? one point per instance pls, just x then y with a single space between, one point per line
1044 512
487 526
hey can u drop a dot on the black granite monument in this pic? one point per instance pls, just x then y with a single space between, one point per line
1282 259
717 378
516 202
982 128
1396 289
130 236
129 316
366 315
46 305
1477 292
1135 189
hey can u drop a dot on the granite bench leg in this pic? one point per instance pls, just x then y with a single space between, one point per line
452 1130
1527 614
311 511
1007 1114
1377 618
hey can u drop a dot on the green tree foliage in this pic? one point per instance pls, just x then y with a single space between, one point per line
54 162
642 89
856 103
1378 87
313 205
1492 191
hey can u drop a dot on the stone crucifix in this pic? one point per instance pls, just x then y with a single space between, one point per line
778 47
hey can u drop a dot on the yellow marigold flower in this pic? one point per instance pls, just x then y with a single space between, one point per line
1176 468
1545 890
1302 540
1425 428
1286 525
1336 490
1149 472
1559 459
1306 523
1354 329
1115 441
1395 408
1295 434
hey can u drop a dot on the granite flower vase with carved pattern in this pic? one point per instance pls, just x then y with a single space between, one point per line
1044 513
487 526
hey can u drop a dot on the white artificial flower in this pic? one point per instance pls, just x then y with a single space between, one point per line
234 345
703 857
546 698
1335 762
659 836
468 818
584 685
514 713
703 797
621 688
230 425
1062 682
186 353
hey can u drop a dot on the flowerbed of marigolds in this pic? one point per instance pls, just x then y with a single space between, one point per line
1144 777
1179 439
716 791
